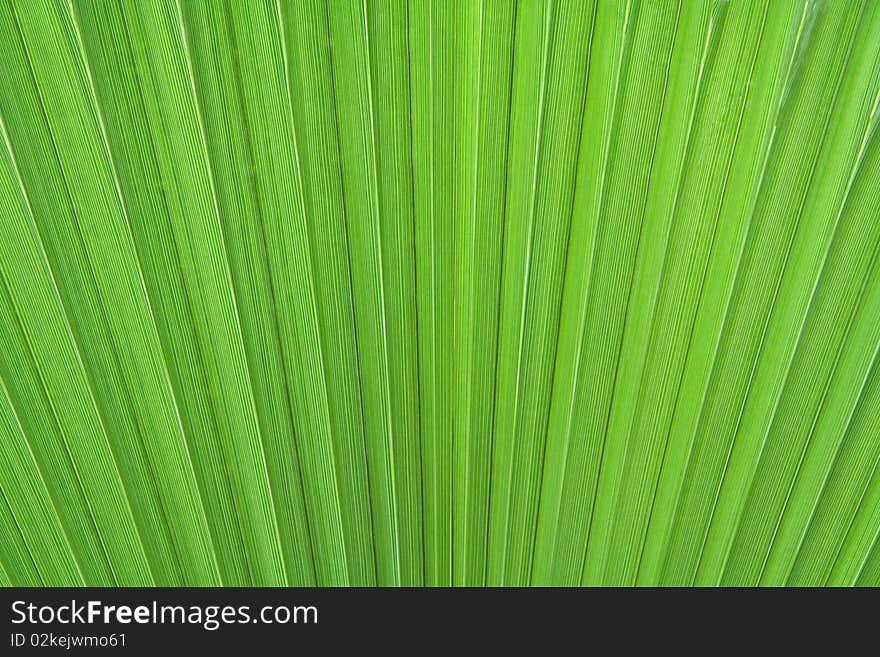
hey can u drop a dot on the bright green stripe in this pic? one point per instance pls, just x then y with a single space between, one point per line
161 56
218 76
870 575
848 484
469 500
645 71
17 566
264 80
387 57
673 245
482 97
817 222
54 228
825 382
79 144
528 101
279 184
112 68
28 501
770 228
726 72
574 441
372 101
432 69
34 305
26 391
764 86
50 452
546 114
311 85
861 535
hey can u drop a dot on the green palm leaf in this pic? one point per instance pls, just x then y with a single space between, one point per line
543 292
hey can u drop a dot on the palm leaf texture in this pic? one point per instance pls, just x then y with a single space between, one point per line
388 292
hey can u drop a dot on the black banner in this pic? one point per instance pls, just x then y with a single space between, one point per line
410 621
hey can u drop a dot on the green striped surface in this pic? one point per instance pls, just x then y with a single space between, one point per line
425 292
